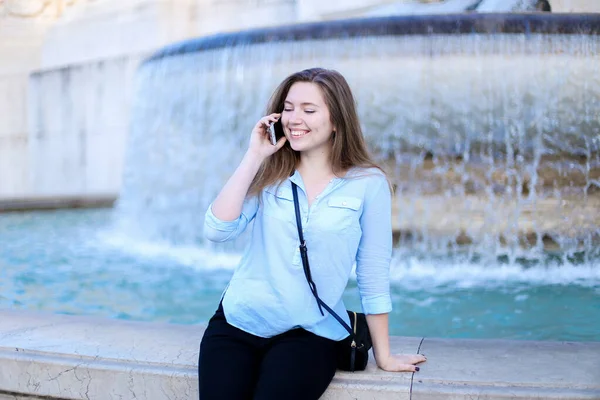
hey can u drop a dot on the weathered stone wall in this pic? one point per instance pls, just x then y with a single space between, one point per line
105 29
62 65
22 28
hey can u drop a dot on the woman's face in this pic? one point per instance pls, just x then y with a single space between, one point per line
305 118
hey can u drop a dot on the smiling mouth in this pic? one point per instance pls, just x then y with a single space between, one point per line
297 134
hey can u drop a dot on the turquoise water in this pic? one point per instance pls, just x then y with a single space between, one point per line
75 262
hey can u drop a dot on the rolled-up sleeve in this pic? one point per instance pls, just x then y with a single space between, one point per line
375 249
217 230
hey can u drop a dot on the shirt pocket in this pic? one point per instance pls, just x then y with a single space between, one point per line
279 204
341 212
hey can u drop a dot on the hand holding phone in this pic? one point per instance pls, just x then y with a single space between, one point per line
267 137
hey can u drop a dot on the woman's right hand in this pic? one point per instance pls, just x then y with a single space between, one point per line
260 144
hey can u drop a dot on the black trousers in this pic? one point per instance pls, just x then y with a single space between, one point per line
235 365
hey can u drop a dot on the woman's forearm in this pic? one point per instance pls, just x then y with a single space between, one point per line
228 204
379 330
378 327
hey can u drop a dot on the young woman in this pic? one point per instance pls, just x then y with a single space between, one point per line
268 338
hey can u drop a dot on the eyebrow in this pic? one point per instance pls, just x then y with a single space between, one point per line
302 104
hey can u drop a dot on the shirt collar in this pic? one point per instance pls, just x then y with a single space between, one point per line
297 179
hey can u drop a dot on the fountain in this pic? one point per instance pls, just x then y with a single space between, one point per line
487 123
488 126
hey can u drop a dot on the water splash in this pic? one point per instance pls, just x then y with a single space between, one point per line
492 141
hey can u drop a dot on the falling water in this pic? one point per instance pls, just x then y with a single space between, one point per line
492 141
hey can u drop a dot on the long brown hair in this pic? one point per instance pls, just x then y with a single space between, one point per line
348 147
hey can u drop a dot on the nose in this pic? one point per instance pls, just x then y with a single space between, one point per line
294 119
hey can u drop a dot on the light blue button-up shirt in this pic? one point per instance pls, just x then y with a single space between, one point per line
348 223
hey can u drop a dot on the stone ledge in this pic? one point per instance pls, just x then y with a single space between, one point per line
56 202
74 357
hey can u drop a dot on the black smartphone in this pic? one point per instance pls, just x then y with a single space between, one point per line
275 132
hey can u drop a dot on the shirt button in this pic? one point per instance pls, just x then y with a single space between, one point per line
344 203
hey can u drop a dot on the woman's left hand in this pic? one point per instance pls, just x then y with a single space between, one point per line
401 362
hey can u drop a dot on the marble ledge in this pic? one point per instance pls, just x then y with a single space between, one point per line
71 357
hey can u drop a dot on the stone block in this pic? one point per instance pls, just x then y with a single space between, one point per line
502 369
13 104
105 155
239 15
14 166
315 10
79 122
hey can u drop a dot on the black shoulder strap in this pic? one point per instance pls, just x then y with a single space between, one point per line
306 266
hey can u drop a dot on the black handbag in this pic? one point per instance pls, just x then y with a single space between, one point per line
352 352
